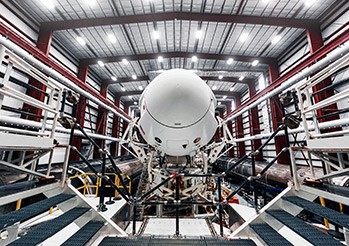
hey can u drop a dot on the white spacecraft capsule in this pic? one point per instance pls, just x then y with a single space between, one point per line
177 113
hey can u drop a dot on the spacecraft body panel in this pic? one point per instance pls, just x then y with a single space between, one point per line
177 113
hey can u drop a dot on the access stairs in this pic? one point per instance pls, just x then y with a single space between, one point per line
63 218
278 224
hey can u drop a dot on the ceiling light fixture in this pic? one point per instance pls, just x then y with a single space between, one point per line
135 103
224 97
134 76
91 3
232 88
276 39
241 78
194 58
219 103
80 40
140 87
130 97
309 3
156 34
255 62
230 61
198 34
243 37
124 61
48 3
220 76
123 88
160 59
112 38
214 87
114 78
101 63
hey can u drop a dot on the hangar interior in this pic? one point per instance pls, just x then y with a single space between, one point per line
95 95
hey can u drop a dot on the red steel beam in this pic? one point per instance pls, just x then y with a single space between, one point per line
254 124
43 44
276 117
155 17
315 43
209 56
317 55
79 113
239 130
42 57
101 122
115 130
143 78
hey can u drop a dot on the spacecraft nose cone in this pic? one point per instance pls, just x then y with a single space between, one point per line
177 98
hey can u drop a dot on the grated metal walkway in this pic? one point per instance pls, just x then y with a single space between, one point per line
48 229
330 214
269 235
84 235
32 210
152 241
308 232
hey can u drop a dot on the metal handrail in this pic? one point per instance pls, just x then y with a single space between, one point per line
86 187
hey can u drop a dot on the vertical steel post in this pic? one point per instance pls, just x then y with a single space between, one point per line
253 164
134 207
102 206
177 205
220 206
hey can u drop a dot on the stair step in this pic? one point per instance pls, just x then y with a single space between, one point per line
9 189
330 214
148 241
84 235
47 229
224 242
114 241
269 235
32 210
308 232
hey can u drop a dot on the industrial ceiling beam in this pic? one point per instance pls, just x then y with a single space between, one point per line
168 16
134 93
146 78
209 56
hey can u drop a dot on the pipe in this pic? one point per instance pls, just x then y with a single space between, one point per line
23 122
333 56
50 72
323 125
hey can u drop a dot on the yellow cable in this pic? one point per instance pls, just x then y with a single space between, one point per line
322 201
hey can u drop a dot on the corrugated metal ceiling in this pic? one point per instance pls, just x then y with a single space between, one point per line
175 35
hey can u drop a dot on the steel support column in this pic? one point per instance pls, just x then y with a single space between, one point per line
43 44
79 113
315 42
115 130
102 120
254 124
239 130
276 116
230 125
124 126
217 136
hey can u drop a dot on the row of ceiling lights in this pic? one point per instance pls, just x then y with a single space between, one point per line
50 4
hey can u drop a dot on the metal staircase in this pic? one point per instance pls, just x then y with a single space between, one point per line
78 223
278 224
